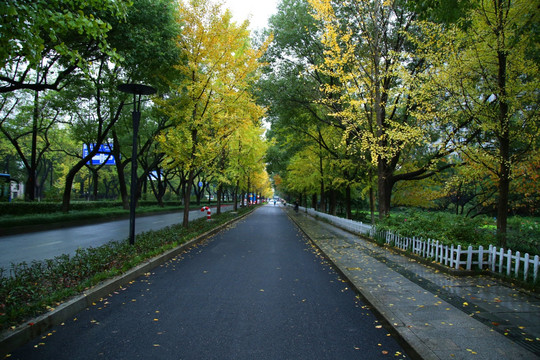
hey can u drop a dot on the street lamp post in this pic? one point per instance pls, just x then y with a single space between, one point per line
135 89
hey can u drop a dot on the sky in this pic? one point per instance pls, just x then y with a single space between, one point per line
256 11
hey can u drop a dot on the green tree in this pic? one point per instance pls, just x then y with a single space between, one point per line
43 41
94 101
30 139
486 71
366 49
220 66
300 116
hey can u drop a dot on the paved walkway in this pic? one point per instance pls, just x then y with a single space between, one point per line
439 315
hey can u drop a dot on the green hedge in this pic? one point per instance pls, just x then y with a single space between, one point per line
523 233
44 207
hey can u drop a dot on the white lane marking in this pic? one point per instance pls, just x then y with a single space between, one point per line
50 243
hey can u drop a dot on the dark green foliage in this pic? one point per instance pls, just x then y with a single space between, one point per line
34 213
524 234
27 290
44 207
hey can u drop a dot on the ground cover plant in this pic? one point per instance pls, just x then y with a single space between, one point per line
523 232
27 290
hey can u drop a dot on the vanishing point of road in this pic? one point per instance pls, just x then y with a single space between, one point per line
256 290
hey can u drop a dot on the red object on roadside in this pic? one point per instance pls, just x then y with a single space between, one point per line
208 212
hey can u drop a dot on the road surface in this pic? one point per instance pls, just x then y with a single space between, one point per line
48 244
257 290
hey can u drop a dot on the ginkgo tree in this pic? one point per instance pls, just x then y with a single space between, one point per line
302 115
246 152
219 67
365 49
485 69
239 147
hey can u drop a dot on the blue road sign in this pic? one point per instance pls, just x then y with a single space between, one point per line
103 155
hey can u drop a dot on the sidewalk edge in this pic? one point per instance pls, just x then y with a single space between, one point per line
407 339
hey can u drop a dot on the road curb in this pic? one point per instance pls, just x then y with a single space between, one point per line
12 339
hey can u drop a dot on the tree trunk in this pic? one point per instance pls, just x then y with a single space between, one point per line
372 204
504 151
66 197
120 168
322 207
95 180
190 179
348 209
219 194
199 191
32 172
333 201
385 185
248 185
187 197
235 195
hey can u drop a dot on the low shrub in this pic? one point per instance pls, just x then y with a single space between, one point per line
88 213
523 233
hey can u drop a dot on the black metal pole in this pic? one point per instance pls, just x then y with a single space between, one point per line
135 89
136 115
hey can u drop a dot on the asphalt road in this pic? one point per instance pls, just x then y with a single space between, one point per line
257 290
48 244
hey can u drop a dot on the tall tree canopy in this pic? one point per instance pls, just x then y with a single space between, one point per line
484 70
43 41
220 66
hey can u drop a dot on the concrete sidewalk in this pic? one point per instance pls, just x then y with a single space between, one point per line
440 316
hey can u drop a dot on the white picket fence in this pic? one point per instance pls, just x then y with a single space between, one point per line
496 260
356 227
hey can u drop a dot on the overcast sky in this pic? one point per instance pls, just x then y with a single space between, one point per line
256 11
